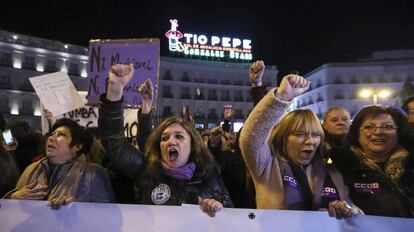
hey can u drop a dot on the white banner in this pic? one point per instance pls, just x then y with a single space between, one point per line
32 216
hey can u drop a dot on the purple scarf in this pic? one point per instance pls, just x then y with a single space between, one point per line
183 173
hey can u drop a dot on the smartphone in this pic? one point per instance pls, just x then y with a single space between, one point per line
7 137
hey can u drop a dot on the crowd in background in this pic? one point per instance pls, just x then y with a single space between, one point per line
278 160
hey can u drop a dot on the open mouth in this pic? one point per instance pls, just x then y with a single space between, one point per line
378 141
307 152
50 146
172 154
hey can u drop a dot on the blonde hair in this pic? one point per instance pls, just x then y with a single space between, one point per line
288 125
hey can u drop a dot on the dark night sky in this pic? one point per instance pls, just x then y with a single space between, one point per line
292 34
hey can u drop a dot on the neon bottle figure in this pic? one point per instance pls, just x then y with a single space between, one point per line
173 36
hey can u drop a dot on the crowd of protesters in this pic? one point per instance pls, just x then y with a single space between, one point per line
278 160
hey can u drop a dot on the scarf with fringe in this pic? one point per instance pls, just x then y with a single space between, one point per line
394 167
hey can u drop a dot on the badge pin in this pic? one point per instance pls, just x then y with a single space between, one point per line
161 194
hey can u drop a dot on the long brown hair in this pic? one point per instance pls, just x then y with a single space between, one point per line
199 153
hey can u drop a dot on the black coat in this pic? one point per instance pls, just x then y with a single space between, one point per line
372 190
132 163
177 192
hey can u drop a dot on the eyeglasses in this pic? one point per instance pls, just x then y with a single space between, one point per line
370 128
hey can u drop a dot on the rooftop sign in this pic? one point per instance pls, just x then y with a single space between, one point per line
196 45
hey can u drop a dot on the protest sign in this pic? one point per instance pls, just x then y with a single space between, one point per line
57 92
87 116
143 53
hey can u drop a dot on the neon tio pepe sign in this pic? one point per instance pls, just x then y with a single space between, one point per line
201 45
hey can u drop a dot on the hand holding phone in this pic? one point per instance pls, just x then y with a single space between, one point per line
8 137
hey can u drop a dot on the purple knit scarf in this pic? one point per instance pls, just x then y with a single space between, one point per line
183 173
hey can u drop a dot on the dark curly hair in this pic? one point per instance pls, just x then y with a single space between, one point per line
80 136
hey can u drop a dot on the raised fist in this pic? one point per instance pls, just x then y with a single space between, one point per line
292 86
256 72
146 89
119 76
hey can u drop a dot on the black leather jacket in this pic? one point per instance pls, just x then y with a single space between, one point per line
132 162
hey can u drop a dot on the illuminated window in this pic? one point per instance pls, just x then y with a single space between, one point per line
199 94
40 67
211 125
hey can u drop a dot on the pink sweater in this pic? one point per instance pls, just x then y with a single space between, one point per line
263 165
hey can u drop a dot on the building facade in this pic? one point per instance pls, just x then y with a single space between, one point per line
340 84
22 57
206 87
203 86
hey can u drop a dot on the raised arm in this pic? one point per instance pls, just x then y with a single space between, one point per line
146 89
125 157
253 139
258 91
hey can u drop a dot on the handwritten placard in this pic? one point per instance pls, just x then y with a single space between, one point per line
87 116
57 92
143 53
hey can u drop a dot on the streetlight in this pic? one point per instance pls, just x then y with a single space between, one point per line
375 93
